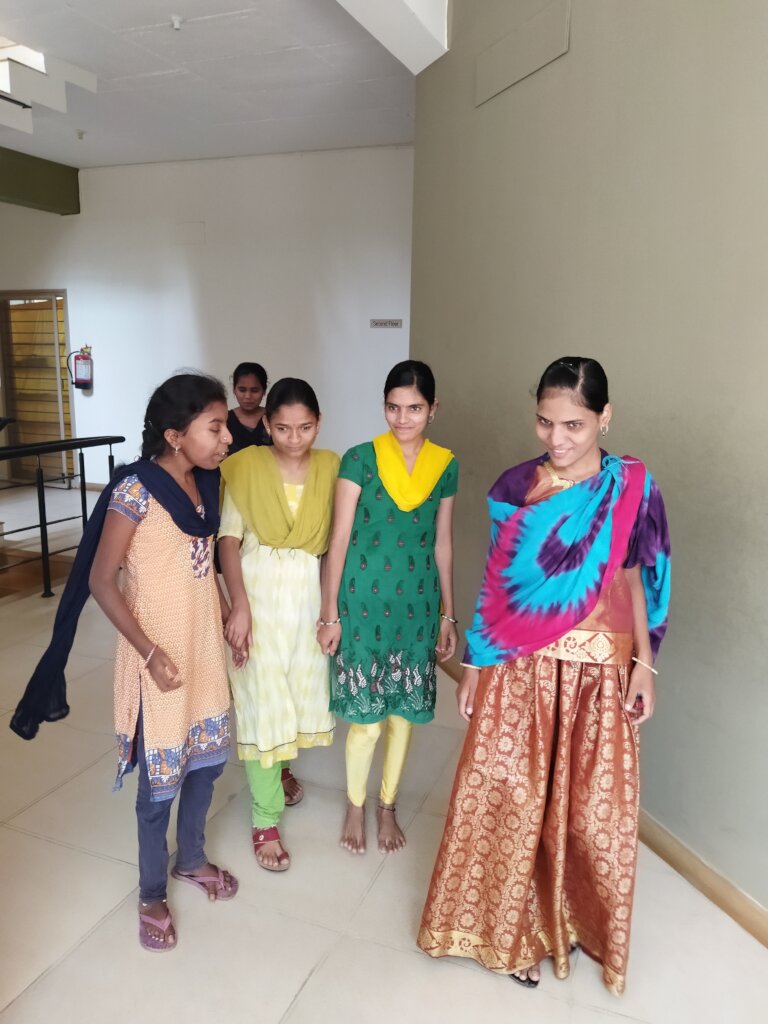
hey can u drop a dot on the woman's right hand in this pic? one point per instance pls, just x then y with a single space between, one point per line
329 637
238 631
465 693
163 671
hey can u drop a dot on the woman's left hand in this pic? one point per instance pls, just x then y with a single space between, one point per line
641 684
447 640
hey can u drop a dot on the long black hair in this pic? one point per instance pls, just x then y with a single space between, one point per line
291 391
412 373
174 405
583 376
250 370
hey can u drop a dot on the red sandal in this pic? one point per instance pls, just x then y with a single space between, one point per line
287 776
260 837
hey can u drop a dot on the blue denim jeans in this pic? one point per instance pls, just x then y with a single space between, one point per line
153 817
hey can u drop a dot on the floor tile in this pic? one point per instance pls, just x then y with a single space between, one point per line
324 884
589 1015
19 661
41 765
27 616
57 895
369 982
391 910
91 700
86 814
232 964
680 943
96 637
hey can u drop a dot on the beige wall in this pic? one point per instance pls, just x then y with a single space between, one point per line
615 204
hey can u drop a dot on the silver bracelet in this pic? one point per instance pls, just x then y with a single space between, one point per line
333 622
645 665
149 657
448 618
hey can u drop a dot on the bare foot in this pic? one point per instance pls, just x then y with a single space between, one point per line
157 910
353 832
391 836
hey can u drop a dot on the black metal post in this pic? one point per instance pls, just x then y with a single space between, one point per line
83 500
47 592
111 463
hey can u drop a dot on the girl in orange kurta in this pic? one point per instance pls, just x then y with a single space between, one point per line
171 690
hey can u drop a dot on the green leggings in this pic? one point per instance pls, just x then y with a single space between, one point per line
267 796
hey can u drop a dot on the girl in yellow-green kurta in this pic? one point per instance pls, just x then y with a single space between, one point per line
275 525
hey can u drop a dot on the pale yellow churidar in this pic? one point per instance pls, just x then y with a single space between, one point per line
281 695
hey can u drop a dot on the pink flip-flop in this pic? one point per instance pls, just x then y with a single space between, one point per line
202 882
156 943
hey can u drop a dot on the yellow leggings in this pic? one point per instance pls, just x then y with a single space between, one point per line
361 743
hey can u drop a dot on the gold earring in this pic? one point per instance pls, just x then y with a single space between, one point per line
176 450
603 430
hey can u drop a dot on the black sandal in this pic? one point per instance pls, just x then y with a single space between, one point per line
525 982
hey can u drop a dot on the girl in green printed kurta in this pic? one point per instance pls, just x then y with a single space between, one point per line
275 523
388 593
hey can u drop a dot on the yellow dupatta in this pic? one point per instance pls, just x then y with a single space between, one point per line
409 490
252 477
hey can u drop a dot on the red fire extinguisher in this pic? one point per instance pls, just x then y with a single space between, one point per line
83 373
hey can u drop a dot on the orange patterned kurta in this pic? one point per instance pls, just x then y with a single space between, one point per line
169 585
540 844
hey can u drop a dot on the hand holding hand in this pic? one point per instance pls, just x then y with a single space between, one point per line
329 637
238 631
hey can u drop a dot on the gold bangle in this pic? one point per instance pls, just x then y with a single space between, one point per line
645 665
333 622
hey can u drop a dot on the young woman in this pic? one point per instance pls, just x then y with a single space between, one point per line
540 844
389 567
246 422
274 530
157 521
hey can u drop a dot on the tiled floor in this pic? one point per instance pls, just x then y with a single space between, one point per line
330 941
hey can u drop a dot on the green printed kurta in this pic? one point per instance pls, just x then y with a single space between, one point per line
389 601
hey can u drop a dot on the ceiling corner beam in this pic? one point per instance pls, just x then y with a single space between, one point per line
38 184
414 31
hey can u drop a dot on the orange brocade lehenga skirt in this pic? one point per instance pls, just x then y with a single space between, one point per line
540 844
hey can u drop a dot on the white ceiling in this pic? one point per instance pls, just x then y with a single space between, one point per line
241 77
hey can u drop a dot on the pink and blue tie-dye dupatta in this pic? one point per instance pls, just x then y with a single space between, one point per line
548 562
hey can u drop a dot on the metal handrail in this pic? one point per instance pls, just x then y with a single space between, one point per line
18 451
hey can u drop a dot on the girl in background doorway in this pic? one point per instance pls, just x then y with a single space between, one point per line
389 567
540 843
275 524
246 422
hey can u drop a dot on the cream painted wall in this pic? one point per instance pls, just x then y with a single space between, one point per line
281 259
615 204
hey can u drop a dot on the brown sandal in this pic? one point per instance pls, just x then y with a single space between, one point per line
287 776
262 836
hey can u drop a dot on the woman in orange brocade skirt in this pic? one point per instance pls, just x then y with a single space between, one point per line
540 844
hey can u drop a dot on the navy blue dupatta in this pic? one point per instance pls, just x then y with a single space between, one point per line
45 698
